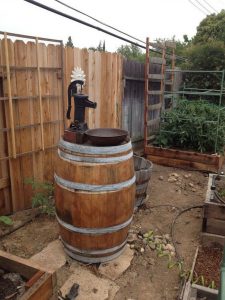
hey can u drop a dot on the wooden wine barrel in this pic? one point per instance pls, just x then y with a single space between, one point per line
95 192
143 171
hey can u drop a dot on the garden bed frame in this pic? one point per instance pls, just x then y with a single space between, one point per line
39 285
213 225
193 291
184 159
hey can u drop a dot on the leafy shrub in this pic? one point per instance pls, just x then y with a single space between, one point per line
6 220
43 195
193 125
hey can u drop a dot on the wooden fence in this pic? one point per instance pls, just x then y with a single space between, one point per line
34 77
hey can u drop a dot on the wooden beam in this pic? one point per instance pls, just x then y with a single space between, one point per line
11 118
155 106
40 97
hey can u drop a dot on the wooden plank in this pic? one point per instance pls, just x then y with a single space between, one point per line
91 88
210 239
103 112
22 78
215 226
146 89
70 63
17 264
184 155
15 164
11 117
155 92
5 197
34 279
158 60
214 210
179 163
119 90
154 106
46 109
153 122
97 88
4 182
40 93
156 76
42 287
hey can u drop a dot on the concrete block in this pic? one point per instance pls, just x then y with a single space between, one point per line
113 269
51 258
91 286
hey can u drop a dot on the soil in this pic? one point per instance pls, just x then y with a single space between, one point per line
208 266
7 288
149 277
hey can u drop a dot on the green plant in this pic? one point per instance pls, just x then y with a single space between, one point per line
202 281
6 220
43 196
192 125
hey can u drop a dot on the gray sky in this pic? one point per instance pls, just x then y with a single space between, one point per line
155 19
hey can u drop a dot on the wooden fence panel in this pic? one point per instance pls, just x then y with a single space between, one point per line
39 103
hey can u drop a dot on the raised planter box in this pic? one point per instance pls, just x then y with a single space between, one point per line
193 291
184 159
213 226
39 284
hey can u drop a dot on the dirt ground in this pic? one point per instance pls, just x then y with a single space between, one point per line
148 277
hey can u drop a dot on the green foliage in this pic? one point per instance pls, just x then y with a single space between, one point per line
43 196
192 125
131 52
69 43
202 281
100 47
212 28
6 220
208 56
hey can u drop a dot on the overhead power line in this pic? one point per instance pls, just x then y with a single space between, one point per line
203 6
197 7
92 26
100 22
216 11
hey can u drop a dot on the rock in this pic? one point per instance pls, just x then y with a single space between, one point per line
131 238
116 267
152 245
174 174
161 178
191 184
172 179
178 183
142 250
132 246
166 236
187 175
169 247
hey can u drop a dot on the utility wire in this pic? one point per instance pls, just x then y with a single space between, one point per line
197 7
216 11
203 6
64 4
48 8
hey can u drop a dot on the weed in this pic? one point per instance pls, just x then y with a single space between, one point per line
43 196
6 220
